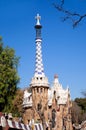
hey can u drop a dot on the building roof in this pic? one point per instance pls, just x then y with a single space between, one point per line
61 94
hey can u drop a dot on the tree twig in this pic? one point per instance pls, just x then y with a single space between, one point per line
76 18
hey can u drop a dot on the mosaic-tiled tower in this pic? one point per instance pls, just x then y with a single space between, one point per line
39 69
39 83
39 78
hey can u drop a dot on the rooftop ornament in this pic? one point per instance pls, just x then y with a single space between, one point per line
38 19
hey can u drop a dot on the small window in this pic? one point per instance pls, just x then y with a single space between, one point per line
40 78
34 90
37 78
39 106
40 90
37 90
28 121
54 92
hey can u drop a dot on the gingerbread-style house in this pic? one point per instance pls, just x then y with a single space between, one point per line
49 105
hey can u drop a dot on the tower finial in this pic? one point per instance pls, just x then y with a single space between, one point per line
55 76
38 19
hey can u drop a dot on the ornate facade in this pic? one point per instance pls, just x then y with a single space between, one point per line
41 103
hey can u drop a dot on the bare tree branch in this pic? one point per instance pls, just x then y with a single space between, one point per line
76 18
62 2
84 93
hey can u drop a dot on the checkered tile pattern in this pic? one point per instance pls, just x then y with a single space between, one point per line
39 69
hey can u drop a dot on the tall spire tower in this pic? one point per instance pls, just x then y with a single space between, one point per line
39 69
39 78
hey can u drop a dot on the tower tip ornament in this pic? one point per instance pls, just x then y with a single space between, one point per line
55 76
38 19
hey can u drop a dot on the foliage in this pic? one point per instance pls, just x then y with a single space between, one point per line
8 77
76 113
82 103
17 103
79 110
17 108
84 93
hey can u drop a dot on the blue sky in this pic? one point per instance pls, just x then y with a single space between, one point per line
64 48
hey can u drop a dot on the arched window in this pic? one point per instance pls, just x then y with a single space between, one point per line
53 118
54 92
40 90
39 106
37 90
